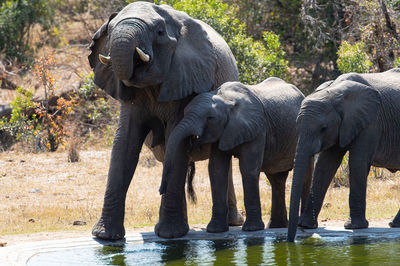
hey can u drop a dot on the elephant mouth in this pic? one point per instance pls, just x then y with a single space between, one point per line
195 141
140 69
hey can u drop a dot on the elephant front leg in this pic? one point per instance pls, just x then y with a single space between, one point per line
234 217
172 221
360 158
359 169
278 209
127 144
219 167
327 164
250 160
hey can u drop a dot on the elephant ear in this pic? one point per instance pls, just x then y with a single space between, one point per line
193 64
103 75
246 119
358 106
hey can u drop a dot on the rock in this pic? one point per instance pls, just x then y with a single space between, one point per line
3 244
79 222
31 220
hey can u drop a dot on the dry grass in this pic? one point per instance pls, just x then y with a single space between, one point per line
43 192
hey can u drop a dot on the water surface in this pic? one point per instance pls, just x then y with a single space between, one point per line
332 250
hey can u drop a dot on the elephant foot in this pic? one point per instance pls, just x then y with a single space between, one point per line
217 226
307 223
253 225
108 230
234 217
282 223
171 229
356 223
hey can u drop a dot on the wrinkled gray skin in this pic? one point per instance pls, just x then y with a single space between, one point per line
184 57
359 113
256 124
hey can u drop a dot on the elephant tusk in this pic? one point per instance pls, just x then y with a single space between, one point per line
145 57
105 60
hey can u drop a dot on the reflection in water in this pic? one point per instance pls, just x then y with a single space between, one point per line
250 251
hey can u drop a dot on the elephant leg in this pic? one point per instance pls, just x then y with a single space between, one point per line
250 161
127 144
359 169
278 217
327 164
172 221
307 184
360 158
396 220
234 217
218 167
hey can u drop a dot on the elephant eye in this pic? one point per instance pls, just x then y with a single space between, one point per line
160 33
323 129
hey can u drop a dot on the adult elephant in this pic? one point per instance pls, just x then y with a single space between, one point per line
359 113
153 59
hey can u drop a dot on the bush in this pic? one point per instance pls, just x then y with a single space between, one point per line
352 58
256 60
16 19
23 123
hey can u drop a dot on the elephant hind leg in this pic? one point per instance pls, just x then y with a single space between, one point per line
278 217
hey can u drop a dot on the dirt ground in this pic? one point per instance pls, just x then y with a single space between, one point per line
42 195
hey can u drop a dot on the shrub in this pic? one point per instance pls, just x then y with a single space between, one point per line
23 123
255 60
352 58
51 122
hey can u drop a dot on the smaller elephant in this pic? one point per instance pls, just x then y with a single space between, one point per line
359 113
256 124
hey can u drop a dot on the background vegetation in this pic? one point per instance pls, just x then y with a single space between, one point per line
304 42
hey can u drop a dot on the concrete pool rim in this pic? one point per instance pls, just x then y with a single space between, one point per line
20 253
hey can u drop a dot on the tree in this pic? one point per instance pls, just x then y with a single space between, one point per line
16 20
256 60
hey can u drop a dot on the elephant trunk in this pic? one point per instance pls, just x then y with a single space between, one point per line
124 40
183 130
301 163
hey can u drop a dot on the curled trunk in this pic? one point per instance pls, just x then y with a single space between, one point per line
124 41
183 130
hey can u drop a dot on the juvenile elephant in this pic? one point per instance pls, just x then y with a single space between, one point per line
154 59
359 113
257 124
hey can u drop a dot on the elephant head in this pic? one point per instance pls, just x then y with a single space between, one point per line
150 46
230 115
334 115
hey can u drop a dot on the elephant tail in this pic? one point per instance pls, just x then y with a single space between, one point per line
189 177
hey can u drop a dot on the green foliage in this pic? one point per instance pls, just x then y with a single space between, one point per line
23 123
352 58
97 109
396 62
16 19
88 88
256 60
